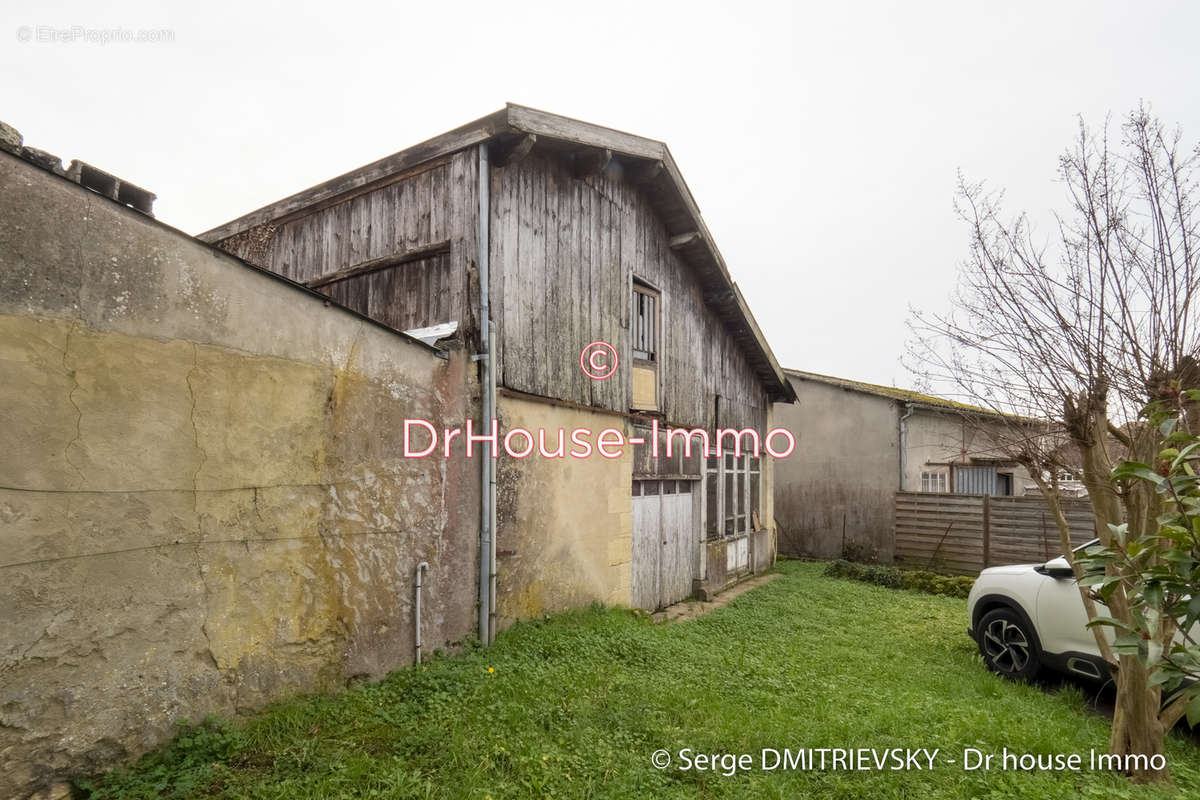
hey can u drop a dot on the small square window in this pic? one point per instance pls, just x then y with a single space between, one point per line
933 482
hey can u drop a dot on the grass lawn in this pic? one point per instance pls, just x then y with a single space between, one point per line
575 706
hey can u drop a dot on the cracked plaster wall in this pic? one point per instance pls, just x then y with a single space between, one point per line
203 502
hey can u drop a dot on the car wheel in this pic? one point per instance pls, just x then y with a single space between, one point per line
1008 645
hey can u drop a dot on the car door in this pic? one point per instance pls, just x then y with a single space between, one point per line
1062 619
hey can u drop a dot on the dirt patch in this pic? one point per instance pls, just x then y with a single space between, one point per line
690 609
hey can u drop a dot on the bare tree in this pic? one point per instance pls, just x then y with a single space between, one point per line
1080 332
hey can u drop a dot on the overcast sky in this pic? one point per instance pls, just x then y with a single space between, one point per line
820 140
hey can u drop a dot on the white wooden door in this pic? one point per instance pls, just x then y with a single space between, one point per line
666 542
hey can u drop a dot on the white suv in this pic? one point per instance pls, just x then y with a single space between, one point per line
1030 616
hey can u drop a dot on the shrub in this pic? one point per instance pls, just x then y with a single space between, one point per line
895 578
857 551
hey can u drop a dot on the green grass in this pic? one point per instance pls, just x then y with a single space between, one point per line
576 705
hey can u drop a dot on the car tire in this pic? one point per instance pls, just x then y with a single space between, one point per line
1009 645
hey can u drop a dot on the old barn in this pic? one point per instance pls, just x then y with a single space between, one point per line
560 234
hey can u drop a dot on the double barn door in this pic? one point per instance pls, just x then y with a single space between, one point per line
666 543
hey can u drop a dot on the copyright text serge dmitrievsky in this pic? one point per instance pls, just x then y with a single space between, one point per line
896 759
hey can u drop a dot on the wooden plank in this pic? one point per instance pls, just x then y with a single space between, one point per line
422 207
407 209
934 531
363 177
948 512
647 551
543 319
555 322
462 223
504 242
586 298
439 205
376 264
948 551
577 387
528 244
612 397
679 541
516 355
553 126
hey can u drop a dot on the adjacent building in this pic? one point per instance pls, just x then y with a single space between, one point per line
858 444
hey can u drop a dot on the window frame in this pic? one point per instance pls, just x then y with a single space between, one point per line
650 337
721 477
934 478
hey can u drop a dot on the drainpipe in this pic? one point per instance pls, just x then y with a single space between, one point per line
424 565
904 442
487 396
492 465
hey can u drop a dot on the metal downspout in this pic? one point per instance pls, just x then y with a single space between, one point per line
487 394
492 464
904 442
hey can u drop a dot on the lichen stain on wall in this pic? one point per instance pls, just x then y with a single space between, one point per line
198 529
203 500
565 526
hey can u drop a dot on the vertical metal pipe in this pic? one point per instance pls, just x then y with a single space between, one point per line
492 493
424 565
904 443
486 408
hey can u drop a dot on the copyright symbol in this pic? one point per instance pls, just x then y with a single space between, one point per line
661 759
599 361
24 33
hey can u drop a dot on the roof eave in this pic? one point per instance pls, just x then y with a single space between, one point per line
480 130
923 402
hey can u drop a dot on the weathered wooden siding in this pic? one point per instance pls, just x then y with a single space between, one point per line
564 251
436 204
412 295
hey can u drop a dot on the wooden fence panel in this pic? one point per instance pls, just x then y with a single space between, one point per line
965 533
942 530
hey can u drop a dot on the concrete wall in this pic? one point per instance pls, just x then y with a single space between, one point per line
837 491
935 439
564 526
837 486
203 503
